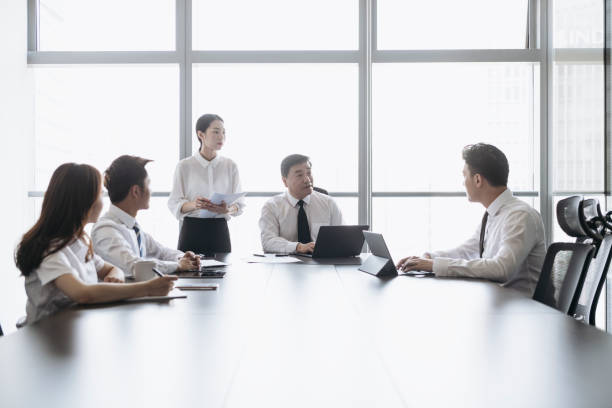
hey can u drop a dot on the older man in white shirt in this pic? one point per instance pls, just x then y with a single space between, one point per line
290 221
509 246
117 237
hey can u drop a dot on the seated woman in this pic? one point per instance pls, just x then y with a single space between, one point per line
56 255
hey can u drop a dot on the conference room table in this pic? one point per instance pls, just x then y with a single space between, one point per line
299 335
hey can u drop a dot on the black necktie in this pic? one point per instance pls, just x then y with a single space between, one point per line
303 228
485 217
138 238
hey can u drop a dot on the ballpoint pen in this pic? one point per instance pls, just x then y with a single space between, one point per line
158 273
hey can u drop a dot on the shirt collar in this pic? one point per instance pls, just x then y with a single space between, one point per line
205 163
293 201
499 202
122 216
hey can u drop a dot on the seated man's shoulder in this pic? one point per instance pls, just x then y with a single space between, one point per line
323 197
274 201
104 223
519 208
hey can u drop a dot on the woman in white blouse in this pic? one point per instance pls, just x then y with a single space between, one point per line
56 255
198 177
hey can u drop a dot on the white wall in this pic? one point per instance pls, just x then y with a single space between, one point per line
16 153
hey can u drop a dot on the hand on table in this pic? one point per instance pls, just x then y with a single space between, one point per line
415 263
160 286
189 262
305 248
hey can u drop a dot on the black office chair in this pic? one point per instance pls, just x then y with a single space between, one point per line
594 282
320 190
584 220
1 334
568 211
206 236
563 274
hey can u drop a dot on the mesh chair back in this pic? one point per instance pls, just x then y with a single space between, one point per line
594 281
563 274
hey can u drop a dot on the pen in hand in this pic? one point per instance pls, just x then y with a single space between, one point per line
158 273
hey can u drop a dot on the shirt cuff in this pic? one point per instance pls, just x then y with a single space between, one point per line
291 247
440 266
167 266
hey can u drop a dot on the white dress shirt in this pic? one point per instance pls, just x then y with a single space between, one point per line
44 297
278 222
195 176
514 247
114 239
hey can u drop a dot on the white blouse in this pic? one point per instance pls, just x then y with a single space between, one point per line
44 298
195 176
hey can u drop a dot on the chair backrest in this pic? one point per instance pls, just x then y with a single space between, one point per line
568 216
563 274
1 334
320 190
594 281
589 215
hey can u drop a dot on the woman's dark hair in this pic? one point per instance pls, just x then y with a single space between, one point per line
72 191
204 122
290 161
488 161
123 173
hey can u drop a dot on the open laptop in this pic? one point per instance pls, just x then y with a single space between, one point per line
380 262
337 245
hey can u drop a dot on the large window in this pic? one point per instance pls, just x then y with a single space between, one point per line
452 24
275 25
577 104
383 95
106 25
287 78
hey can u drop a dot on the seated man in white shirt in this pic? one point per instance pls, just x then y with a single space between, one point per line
290 221
508 247
117 237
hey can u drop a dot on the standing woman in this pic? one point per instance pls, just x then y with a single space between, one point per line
196 179
56 255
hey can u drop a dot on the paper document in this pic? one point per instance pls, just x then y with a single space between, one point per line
196 286
272 259
173 294
218 198
207 263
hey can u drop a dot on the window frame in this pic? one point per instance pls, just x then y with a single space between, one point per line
537 51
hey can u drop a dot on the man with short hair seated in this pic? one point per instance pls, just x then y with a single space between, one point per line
117 237
290 221
509 246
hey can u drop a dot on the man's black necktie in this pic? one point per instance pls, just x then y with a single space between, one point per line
303 228
485 217
138 238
